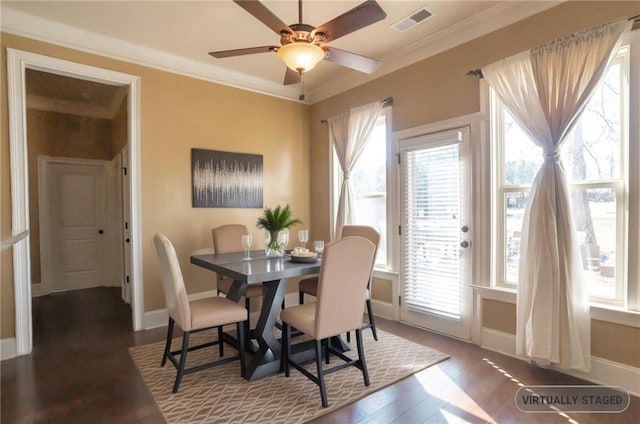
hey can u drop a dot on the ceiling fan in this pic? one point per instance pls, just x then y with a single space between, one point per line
302 46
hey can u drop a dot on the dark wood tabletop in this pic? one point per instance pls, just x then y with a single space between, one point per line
258 270
273 273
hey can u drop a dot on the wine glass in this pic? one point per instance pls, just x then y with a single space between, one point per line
247 241
303 236
283 238
318 246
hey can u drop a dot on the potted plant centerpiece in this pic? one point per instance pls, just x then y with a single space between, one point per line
274 221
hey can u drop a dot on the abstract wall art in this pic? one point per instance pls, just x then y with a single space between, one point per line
226 180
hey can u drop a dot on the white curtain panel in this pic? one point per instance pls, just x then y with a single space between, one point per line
348 133
545 90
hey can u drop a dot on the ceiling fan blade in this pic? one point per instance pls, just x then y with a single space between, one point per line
351 60
264 15
291 77
359 17
242 52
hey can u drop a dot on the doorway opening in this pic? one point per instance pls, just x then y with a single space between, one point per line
19 65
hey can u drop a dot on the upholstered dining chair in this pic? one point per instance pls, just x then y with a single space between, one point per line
310 285
194 316
342 286
228 239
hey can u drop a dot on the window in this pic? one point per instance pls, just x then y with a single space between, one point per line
369 182
597 161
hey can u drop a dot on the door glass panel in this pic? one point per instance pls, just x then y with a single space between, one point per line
432 230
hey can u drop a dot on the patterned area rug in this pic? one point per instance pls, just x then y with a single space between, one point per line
220 395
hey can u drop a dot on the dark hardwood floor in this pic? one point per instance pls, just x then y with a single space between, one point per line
80 372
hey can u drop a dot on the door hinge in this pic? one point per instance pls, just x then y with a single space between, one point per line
124 170
399 230
127 278
126 225
399 158
399 300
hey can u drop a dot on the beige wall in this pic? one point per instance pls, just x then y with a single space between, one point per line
436 89
119 128
499 316
177 114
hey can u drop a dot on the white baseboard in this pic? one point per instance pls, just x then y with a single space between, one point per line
606 372
382 309
155 319
603 371
7 348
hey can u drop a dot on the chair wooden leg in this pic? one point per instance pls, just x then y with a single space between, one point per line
167 346
371 321
241 330
183 360
285 351
300 298
323 389
361 359
220 344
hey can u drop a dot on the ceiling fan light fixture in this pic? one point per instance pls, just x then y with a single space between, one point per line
300 56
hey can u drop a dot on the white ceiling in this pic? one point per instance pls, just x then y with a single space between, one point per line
177 35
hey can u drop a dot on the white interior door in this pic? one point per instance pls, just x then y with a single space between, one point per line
75 210
436 236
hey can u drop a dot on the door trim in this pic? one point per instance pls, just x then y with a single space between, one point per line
17 63
480 192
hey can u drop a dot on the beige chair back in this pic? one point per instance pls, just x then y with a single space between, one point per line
228 238
203 251
367 232
342 285
175 294
361 231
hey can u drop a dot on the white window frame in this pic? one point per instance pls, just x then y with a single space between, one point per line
627 200
336 182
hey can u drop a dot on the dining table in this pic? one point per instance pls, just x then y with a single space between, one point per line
273 273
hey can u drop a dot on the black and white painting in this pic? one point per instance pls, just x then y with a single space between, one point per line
226 180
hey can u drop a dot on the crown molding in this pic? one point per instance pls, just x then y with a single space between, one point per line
29 26
485 22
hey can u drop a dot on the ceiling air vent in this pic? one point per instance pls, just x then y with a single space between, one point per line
412 20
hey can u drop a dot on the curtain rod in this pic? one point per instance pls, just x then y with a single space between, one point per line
385 102
478 72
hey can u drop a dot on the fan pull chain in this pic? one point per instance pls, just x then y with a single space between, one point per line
301 96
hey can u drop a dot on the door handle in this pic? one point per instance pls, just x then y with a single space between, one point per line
100 231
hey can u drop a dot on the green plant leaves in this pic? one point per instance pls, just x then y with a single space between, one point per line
277 218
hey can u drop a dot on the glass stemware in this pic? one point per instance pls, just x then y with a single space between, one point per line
303 236
318 246
247 241
283 238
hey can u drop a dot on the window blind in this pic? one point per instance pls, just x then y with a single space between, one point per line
431 231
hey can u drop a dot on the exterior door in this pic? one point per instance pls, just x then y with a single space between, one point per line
75 207
435 233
